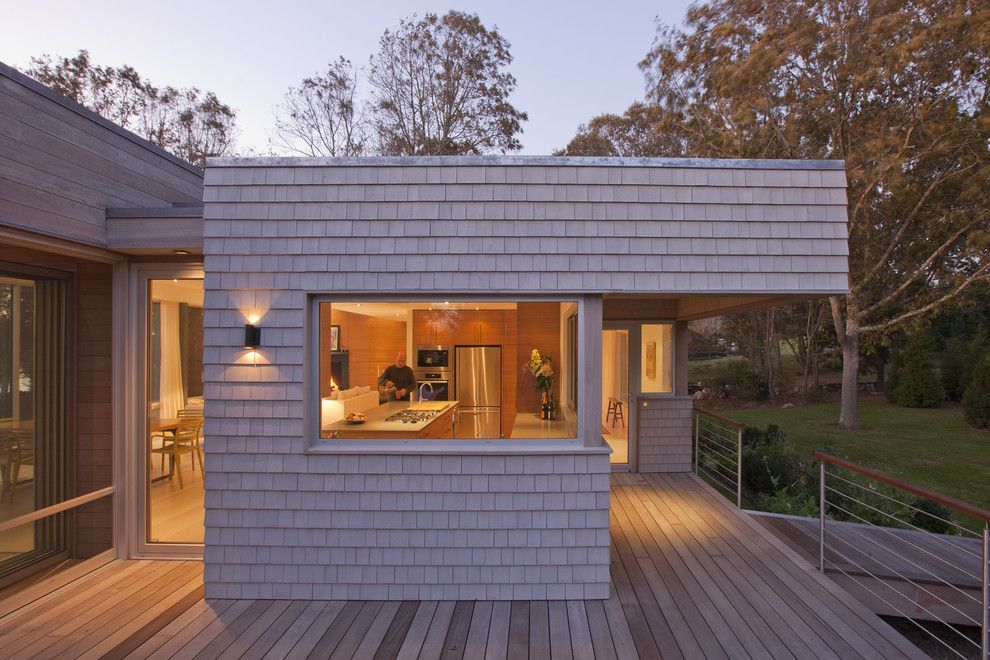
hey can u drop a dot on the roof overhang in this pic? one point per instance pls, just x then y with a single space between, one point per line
169 230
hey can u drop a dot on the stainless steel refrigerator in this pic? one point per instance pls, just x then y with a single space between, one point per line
478 386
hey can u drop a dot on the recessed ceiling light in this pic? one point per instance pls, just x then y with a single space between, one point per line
182 251
359 304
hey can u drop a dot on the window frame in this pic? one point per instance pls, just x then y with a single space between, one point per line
311 390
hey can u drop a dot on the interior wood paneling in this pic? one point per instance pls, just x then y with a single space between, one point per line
460 327
539 327
371 343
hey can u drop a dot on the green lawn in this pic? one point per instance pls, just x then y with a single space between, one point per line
934 448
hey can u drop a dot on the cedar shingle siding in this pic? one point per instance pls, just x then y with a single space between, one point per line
533 227
285 523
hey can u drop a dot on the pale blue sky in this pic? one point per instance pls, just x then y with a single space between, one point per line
572 60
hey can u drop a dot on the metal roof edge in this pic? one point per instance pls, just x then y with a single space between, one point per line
39 88
535 161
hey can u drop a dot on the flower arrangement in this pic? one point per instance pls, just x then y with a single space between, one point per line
542 368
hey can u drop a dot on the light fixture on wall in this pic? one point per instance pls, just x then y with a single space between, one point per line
252 336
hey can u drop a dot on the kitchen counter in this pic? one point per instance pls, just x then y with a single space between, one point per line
376 426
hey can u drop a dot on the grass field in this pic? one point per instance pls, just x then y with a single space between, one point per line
934 448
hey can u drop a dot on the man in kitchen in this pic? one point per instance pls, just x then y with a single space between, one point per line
398 380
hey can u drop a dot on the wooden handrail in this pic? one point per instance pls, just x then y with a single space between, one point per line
944 500
732 422
56 508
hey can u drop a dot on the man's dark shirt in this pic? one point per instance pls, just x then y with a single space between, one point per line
403 377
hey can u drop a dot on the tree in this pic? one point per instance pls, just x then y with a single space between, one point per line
976 400
440 86
917 385
896 88
322 116
187 122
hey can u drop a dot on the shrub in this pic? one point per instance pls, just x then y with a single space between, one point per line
928 522
976 400
739 380
955 367
958 360
772 471
917 386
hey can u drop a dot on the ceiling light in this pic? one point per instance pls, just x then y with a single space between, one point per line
182 251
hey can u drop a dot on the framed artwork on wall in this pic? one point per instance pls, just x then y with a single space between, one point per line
334 337
651 360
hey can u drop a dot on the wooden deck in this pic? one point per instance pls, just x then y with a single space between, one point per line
922 574
692 577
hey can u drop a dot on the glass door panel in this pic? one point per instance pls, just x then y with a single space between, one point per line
174 456
615 394
32 417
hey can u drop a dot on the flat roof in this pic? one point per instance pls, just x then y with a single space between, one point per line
535 161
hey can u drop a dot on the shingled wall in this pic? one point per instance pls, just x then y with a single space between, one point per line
286 521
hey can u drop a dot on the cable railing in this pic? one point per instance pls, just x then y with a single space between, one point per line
718 453
883 534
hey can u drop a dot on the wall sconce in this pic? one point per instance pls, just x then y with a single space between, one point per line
252 336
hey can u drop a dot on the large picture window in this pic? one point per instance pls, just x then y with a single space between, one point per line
447 369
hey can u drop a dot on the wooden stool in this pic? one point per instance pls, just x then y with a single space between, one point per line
615 412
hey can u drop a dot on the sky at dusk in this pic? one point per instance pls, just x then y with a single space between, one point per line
572 60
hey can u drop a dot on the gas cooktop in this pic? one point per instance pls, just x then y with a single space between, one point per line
411 416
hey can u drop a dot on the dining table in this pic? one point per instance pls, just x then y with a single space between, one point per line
162 425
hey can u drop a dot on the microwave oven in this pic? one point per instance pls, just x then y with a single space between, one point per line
435 358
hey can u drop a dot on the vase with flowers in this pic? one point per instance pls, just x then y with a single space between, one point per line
542 369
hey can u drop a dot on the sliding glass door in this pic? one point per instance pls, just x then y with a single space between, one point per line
33 340
173 465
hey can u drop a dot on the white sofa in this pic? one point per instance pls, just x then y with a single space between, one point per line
344 402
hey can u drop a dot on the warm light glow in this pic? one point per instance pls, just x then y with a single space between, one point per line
253 319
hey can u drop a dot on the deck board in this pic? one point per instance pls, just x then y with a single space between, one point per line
691 577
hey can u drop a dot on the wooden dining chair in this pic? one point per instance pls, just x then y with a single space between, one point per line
185 440
16 449
195 413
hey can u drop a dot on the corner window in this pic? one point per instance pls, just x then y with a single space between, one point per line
447 369
657 358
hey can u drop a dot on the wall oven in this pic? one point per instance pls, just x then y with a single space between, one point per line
434 385
432 366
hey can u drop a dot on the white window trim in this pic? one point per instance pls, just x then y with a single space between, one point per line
503 446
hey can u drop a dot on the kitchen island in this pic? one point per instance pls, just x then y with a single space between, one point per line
424 419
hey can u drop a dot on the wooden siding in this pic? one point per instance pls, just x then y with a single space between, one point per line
691 577
93 431
62 166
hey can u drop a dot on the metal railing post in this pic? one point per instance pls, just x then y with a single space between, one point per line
739 468
697 423
821 516
985 638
